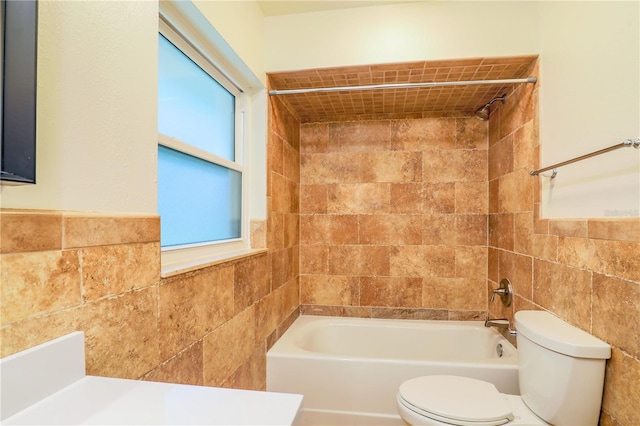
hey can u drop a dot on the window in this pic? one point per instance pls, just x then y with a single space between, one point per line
200 154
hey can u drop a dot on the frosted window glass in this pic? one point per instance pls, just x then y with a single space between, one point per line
198 201
192 106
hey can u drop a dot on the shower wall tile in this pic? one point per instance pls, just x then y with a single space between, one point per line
387 203
391 291
426 134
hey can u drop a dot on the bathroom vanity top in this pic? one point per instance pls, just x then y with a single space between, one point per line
67 396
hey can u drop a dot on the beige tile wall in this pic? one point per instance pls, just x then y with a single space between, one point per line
585 271
100 273
393 217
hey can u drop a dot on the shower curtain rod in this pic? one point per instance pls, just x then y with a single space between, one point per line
626 144
402 86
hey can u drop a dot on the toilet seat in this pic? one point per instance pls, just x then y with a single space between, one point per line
455 400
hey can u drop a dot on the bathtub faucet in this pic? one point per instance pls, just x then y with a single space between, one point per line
500 323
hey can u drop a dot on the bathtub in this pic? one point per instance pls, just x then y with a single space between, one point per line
349 369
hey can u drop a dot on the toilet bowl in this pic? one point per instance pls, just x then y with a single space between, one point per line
561 377
462 401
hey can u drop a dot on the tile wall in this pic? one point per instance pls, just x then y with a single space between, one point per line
393 217
100 273
585 271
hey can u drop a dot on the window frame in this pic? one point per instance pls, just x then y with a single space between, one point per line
189 255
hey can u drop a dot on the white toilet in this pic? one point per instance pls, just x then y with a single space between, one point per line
561 372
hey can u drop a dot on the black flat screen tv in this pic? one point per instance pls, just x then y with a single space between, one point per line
19 73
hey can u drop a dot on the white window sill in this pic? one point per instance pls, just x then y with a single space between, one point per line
194 265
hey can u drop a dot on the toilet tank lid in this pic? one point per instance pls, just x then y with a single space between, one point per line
553 333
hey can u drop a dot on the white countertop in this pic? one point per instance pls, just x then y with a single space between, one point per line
30 395
107 401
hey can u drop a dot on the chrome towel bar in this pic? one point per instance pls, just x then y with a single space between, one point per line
627 143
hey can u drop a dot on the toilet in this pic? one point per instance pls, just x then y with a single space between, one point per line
561 374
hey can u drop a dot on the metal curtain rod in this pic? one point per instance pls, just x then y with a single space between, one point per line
401 86
627 143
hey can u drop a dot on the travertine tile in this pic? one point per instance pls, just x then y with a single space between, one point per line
501 158
336 311
409 313
314 137
393 229
454 293
227 347
471 261
251 375
615 229
82 230
439 197
438 230
455 166
329 290
111 270
423 261
121 334
501 231
26 230
526 148
622 388
38 282
282 266
251 281
358 260
519 270
314 259
471 197
515 192
184 368
523 232
391 291
337 167
329 229
568 228
564 291
258 234
360 136
407 198
24 334
391 166
313 198
472 133
471 229
185 307
275 152
424 134
291 163
359 198
616 312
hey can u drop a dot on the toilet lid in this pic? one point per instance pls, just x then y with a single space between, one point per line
456 400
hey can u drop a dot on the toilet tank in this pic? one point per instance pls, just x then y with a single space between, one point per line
561 369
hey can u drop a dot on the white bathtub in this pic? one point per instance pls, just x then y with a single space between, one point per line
349 369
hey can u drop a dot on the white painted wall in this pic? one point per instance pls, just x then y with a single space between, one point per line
97 108
590 99
590 65
401 33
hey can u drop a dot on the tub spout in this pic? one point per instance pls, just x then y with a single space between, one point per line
500 323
